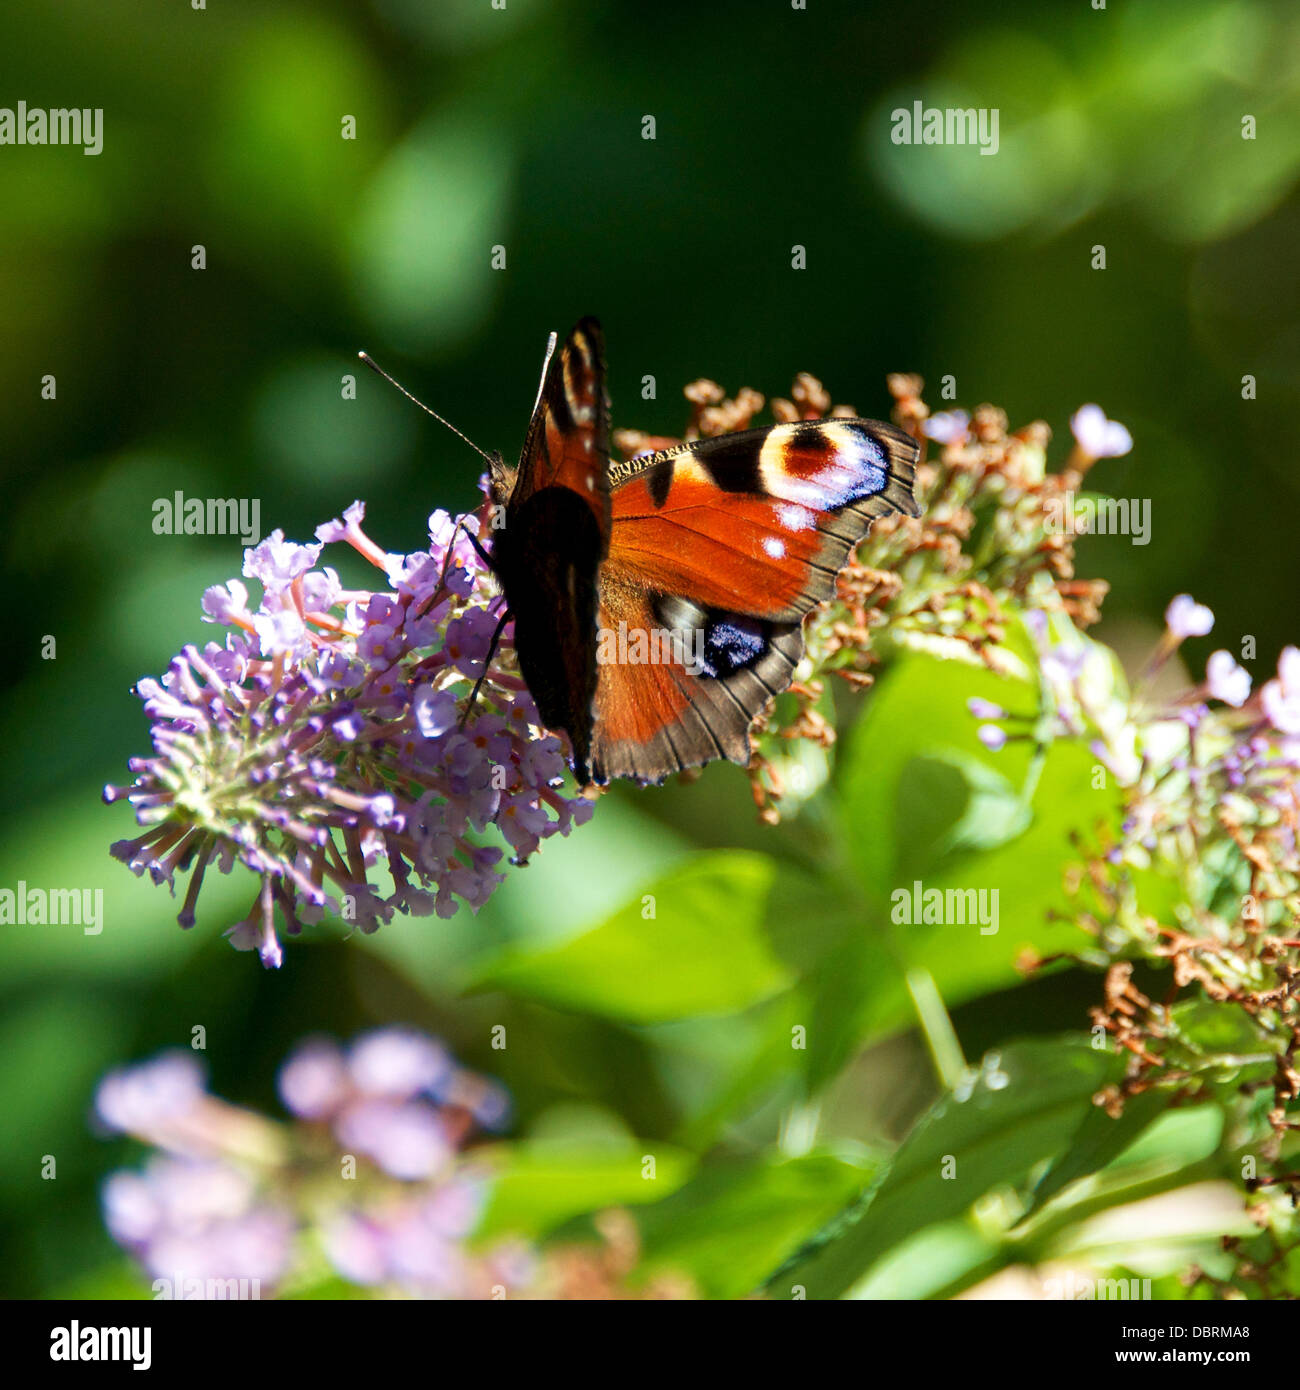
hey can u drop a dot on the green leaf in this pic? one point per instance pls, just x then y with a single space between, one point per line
537 1187
1213 1027
952 802
330 1289
110 1282
1178 1138
948 1256
1099 1139
1022 883
918 711
1019 1110
694 943
733 1222
853 991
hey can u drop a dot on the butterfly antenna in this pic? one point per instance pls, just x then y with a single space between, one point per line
375 367
546 365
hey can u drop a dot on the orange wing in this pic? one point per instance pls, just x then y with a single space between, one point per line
567 444
717 551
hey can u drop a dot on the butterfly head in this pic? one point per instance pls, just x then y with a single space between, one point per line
501 479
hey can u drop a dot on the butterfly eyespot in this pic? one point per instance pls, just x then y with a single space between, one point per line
825 466
730 642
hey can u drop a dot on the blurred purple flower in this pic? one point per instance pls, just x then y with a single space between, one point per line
233 1196
1186 618
1227 681
314 1082
1280 698
1098 437
947 427
406 1139
196 1222
415 1245
138 1099
397 1063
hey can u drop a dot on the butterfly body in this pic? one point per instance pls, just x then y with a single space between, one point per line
658 602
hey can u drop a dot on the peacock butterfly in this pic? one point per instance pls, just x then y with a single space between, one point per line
658 603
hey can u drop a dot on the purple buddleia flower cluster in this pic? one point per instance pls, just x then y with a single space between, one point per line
1214 736
370 1172
1209 770
382 1098
329 745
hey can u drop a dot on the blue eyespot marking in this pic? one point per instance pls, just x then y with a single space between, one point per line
731 642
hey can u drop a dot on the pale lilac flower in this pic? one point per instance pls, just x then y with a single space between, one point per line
436 711
345 527
277 562
1186 762
198 1222
225 603
1123 763
1098 437
1227 681
947 427
314 1082
137 1099
397 1063
321 590
1186 618
1280 698
992 737
985 709
1062 659
283 633
406 1140
1062 665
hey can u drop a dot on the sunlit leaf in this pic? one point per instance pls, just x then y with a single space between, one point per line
1022 1108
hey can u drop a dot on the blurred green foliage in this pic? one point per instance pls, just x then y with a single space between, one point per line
522 128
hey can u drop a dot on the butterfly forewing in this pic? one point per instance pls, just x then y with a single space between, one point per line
729 542
567 445
555 534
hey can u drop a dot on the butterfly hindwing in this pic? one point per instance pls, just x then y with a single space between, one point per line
727 543
692 704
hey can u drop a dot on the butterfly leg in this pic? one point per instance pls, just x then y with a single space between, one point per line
446 564
478 545
506 615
